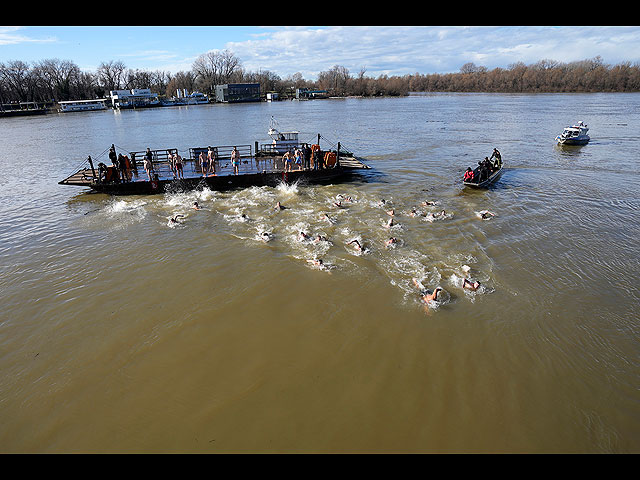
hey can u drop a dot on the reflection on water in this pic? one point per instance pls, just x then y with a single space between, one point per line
143 324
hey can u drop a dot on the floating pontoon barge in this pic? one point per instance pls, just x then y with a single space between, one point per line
260 166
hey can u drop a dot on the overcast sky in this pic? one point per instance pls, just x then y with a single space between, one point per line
390 50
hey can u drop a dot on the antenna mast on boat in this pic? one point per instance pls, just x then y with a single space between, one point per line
273 126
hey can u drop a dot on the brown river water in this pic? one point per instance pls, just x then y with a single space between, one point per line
123 332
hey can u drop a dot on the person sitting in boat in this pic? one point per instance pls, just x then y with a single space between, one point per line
468 175
485 169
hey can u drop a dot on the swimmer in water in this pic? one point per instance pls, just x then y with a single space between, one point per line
316 262
432 216
382 202
469 285
327 218
196 206
391 212
279 207
319 238
265 236
427 203
413 212
391 241
485 214
302 237
175 219
357 245
427 296
338 204
390 223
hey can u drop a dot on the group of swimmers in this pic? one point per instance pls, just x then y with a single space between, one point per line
427 297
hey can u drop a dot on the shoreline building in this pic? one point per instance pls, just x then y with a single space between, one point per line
238 92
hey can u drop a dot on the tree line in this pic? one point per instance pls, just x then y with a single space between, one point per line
54 80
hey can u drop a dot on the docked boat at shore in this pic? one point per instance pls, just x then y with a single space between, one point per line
258 166
574 135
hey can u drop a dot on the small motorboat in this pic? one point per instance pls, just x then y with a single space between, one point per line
483 176
574 135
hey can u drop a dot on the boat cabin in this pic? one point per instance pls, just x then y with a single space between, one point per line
577 130
283 141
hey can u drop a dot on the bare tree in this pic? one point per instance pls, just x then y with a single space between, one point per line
58 77
215 68
18 80
110 74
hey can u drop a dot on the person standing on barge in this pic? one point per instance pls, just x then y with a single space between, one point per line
306 154
205 164
177 159
134 164
235 160
212 158
112 156
286 160
199 161
148 163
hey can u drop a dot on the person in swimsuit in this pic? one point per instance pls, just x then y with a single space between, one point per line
286 158
469 285
235 160
265 236
320 238
178 163
302 237
148 163
427 295
391 241
328 219
298 159
357 245
205 164
212 157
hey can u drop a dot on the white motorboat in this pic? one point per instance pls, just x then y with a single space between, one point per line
574 135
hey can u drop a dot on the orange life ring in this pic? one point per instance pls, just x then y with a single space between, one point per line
330 159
